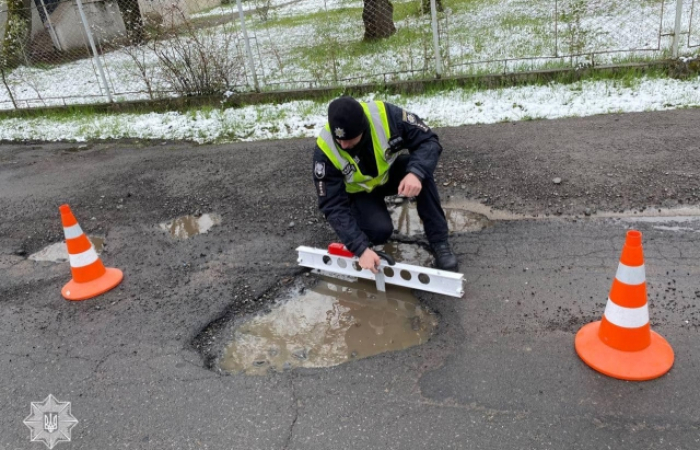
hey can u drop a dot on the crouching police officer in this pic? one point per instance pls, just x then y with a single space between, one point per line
357 163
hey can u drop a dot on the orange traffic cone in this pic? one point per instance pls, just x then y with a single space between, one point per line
622 345
90 277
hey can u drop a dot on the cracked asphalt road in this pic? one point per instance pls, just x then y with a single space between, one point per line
138 363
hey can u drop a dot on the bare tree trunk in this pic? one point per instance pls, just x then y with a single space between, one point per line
378 17
133 22
17 31
425 6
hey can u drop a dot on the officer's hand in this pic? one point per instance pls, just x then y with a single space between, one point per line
369 260
410 186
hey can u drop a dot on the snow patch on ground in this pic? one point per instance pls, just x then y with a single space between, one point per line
304 119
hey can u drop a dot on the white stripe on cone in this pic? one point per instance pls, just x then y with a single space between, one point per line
72 232
631 275
83 259
626 317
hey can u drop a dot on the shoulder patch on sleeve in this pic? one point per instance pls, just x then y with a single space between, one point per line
319 169
413 120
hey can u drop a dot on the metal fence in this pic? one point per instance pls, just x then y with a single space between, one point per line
87 51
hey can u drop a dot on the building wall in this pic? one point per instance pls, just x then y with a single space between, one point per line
195 6
105 21
165 12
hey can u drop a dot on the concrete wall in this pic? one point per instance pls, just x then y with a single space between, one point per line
36 21
103 16
105 19
169 12
165 12
194 6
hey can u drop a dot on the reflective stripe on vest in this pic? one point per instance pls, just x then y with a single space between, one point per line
355 181
327 138
378 124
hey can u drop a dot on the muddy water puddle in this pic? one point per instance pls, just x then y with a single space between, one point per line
187 226
406 220
329 324
58 252
408 253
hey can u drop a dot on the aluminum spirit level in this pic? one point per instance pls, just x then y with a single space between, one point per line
338 260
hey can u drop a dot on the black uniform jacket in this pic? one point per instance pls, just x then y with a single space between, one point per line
334 201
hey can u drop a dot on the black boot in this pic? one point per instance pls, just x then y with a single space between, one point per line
444 258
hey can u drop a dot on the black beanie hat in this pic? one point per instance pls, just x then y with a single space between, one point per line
346 118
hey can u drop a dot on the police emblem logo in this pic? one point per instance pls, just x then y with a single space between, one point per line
50 421
320 169
411 118
339 133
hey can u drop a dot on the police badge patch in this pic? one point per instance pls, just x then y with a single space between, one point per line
319 169
412 119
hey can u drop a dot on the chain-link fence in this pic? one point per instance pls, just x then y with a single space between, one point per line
694 25
85 51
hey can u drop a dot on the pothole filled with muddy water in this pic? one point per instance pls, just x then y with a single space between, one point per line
330 323
58 252
407 253
187 226
407 222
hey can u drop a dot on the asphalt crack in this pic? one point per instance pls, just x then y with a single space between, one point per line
295 408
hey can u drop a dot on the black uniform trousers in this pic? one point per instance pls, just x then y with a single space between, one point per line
370 211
